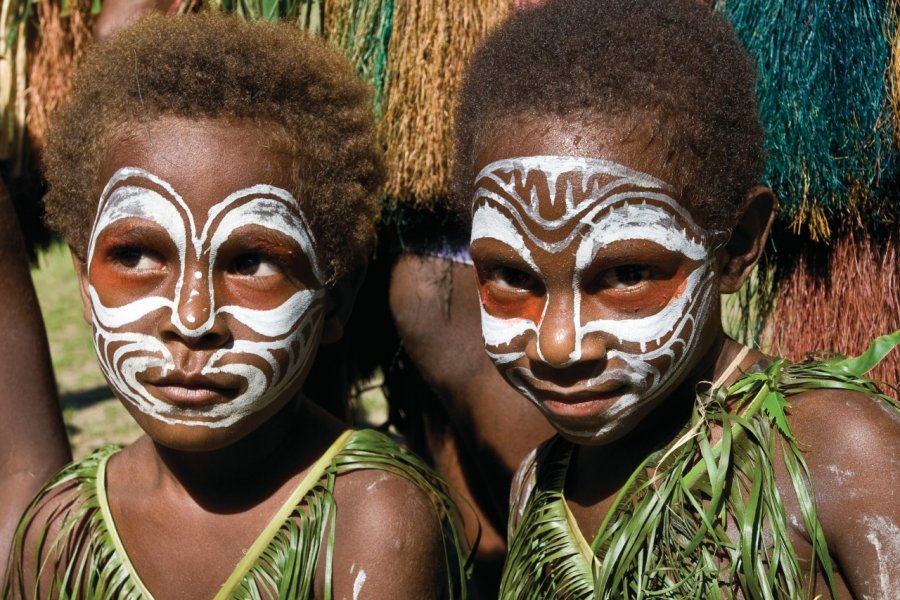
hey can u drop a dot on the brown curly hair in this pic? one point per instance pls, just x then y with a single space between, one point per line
674 64
209 66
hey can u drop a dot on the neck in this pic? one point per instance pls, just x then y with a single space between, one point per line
618 459
256 465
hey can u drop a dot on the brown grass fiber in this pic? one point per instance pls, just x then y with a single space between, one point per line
844 306
60 43
431 43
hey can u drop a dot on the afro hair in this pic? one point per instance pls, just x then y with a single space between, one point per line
674 64
218 67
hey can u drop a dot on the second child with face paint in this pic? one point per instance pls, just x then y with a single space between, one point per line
219 206
609 155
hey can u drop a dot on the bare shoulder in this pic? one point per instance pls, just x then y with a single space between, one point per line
850 442
388 538
850 429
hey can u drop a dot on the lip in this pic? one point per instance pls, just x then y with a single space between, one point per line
192 390
577 402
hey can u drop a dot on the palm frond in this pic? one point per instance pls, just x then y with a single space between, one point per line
85 558
667 532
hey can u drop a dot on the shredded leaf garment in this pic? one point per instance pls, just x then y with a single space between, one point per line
666 534
89 561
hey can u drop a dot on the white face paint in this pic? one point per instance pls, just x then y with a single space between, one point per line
267 363
553 210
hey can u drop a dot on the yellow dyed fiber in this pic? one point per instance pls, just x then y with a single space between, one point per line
430 46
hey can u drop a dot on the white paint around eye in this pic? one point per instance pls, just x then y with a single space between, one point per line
637 206
292 327
490 223
498 332
276 321
654 327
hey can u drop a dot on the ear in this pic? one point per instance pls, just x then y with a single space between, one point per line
81 273
748 239
339 300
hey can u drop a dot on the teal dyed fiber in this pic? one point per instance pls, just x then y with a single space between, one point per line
824 101
373 26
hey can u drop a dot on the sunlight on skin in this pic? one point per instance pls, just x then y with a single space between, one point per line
288 329
594 205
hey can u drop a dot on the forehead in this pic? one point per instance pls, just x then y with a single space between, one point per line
561 205
204 160
549 152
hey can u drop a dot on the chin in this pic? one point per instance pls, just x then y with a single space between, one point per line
196 436
610 425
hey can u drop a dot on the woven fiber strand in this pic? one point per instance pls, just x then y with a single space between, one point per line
843 306
825 101
362 30
431 43
60 44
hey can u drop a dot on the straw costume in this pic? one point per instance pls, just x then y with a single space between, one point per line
281 563
828 97
665 534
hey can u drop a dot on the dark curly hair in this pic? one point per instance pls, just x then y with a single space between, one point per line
217 67
673 64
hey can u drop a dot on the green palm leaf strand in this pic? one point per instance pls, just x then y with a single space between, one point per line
671 530
83 561
81 555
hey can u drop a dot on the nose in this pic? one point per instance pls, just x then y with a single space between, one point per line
560 342
194 317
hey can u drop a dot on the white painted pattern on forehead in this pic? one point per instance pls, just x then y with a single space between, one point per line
555 166
292 327
496 185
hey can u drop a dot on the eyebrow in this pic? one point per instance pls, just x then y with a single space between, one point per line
135 232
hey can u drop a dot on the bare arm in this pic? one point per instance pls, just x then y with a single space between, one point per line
33 442
851 444
387 540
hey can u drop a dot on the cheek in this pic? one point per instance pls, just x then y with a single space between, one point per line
511 305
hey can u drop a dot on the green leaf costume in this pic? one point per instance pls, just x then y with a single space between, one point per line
89 561
665 535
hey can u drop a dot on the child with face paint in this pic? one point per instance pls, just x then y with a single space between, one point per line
216 181
609 155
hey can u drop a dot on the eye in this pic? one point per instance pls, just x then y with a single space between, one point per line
512 278
625 276
137 259
253 265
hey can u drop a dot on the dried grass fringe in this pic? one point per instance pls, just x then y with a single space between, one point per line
60 44
858 300
430 46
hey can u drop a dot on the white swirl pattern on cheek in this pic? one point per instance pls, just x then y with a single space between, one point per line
629 206
292 327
